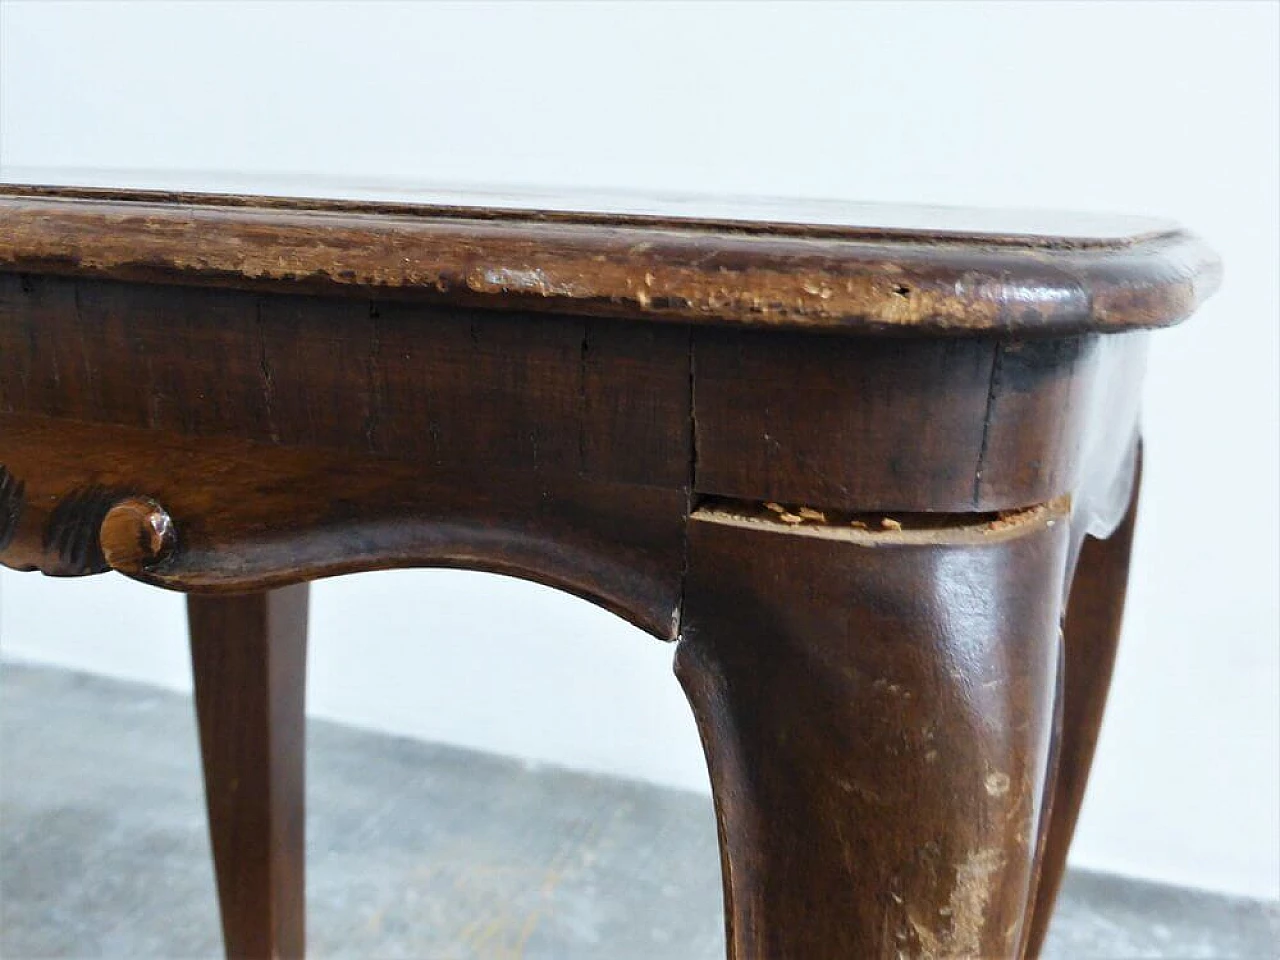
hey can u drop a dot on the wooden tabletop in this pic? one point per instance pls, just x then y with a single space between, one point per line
822 266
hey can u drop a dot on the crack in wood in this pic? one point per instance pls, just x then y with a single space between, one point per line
877 528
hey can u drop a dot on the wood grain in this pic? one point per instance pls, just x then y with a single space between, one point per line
454 388
673 270
853 423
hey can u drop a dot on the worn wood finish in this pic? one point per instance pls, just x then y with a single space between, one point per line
850 278
849 470
248 656
1090 637
860 424
877 710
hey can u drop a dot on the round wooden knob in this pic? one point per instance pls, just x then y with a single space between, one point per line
136 533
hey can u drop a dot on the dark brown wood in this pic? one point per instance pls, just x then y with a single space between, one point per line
449 387
915 425
848 470
13 500
876 709
251 516
248 656
1090 638
857 423
1039 409
976 277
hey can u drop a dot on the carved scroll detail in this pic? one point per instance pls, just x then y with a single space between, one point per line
71 531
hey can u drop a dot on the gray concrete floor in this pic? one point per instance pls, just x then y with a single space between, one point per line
419 851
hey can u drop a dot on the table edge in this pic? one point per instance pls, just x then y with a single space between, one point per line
644 268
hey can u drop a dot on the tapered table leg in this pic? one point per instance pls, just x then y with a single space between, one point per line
877 711
1091 634
248 654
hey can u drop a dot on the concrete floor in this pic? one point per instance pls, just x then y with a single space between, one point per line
418 851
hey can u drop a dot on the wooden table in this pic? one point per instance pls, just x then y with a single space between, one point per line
859 463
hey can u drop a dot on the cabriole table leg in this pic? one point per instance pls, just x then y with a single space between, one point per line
1094 613
877 710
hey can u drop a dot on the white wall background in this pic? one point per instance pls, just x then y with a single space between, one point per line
1145 108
